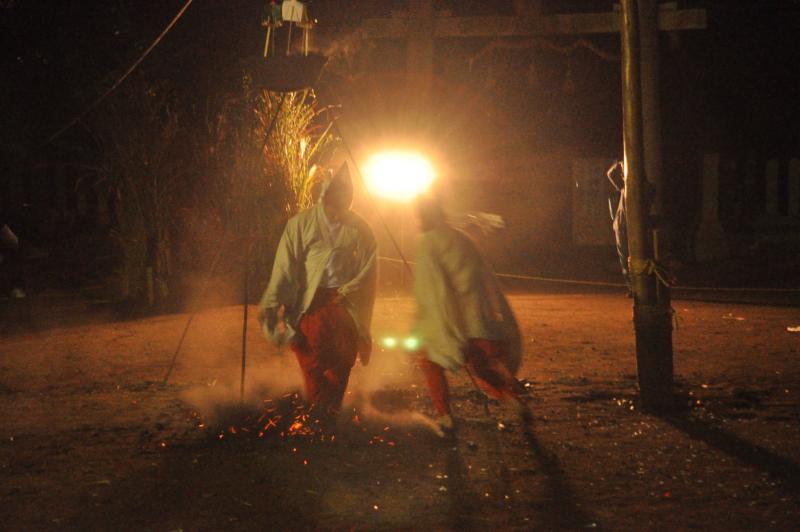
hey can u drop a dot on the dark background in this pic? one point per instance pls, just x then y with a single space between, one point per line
737 78
730 88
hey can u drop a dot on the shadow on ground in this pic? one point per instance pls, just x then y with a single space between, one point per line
783 469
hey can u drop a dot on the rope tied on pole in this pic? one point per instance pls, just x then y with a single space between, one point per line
650 267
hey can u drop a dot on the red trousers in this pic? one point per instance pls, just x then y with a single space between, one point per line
326 349
485 361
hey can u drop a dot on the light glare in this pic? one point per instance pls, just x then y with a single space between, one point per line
411 343
389 342
398 175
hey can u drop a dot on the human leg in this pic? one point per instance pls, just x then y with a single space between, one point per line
313 377
335 381
440 393
485 363
328 342
437 385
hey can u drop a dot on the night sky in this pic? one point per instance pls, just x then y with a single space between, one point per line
731 88
737 80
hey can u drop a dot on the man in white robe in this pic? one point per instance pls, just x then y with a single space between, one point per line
322 291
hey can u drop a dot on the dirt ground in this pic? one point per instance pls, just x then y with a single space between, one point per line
91 438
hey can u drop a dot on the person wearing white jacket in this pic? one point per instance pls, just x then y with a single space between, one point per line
321 293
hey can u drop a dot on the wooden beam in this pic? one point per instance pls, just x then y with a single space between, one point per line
682 19
572 24
385 28
419 54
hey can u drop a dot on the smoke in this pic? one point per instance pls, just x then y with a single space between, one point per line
211 360
388 390
344 46
267 377
390 387
405 419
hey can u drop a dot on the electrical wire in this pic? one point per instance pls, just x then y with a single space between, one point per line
127 73
622 285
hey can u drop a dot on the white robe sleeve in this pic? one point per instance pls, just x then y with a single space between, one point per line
284 283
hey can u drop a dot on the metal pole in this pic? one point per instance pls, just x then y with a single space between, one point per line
244 319
203 291
402 247
653 339
266 41
247 254
377 212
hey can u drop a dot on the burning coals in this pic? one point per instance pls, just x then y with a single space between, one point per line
282 418
285 418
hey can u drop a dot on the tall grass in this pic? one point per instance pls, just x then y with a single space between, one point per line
299 139
253 182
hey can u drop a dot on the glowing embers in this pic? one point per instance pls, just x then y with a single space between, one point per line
283 418
288 421
398 175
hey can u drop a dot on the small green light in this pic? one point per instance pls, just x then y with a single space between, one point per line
411 343
389 342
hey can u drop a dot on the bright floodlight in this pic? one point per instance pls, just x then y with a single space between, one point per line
398 175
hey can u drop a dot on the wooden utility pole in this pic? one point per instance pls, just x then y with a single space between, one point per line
652 319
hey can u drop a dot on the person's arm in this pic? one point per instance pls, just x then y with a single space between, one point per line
282 290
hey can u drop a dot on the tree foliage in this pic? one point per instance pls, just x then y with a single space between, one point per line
187 191
142 160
